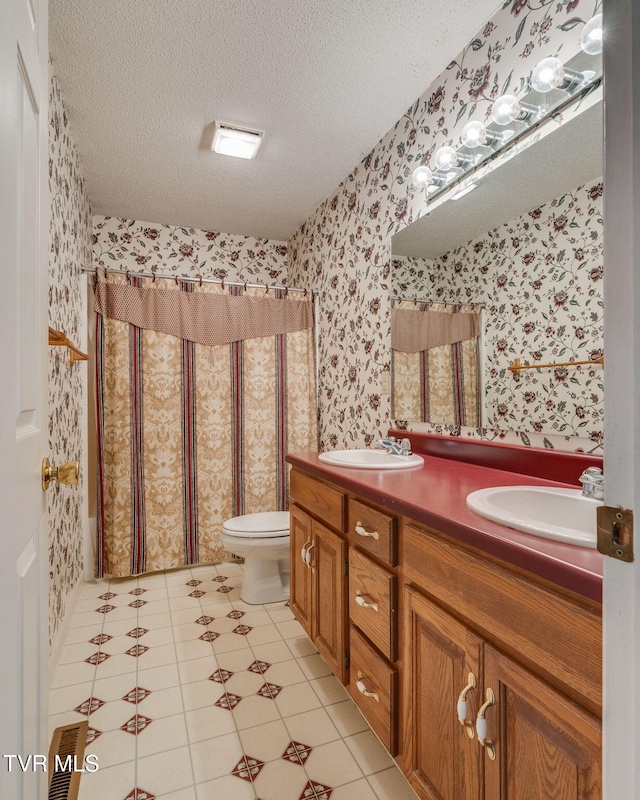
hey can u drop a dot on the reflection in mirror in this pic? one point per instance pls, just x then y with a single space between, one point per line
525 249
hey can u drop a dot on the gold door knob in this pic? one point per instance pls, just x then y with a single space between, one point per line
63 473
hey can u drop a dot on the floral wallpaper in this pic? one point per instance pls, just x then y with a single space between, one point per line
540 278
70 250
343 249
135 246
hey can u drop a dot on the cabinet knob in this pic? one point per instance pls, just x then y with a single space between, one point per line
481 725
362 601
362 688
361 531
462 705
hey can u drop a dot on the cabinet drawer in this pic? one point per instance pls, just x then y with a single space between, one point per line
369 672
374 531
372 602
325 502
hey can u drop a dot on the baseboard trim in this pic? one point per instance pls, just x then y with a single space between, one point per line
61 634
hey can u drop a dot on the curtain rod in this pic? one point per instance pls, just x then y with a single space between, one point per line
432 302
244 284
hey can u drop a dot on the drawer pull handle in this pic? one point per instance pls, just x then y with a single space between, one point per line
303 552
362 601
307 555
481 725
364 532
462 705
362 688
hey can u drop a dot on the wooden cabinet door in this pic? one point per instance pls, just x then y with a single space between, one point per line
328 563
546 747
301 574
444 763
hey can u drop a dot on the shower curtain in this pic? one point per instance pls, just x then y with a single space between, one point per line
190 434
441 383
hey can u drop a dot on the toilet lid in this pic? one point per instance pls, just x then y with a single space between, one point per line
267 523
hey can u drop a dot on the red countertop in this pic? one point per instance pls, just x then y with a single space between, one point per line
435 495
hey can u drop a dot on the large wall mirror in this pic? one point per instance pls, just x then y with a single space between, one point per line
519 260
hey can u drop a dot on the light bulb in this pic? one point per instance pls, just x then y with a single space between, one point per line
422 177
547 75
445 158
474 134
506 109
591 36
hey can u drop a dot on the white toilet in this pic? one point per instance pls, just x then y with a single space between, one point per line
263 541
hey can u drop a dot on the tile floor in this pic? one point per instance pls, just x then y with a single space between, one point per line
191 694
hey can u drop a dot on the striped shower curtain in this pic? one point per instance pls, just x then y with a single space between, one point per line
439 385
190 435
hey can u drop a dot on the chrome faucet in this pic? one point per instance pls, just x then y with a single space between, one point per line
592 481
391 445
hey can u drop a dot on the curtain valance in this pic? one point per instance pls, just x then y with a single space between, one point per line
209 319
415 330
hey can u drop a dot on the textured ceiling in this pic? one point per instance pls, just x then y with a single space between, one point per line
326 79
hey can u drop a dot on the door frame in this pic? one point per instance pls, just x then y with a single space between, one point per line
621 686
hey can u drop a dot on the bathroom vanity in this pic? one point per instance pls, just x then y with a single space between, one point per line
473 650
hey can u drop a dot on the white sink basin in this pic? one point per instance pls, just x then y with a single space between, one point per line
560 514
370 459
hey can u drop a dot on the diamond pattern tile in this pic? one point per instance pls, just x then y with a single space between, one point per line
220 676
136 695
136 633
97 658
92 735
209 636
136 724
269 690
234 679
228 701
247 768
136 650
90 706
259 667
316 791
101 638
140 794
297 753
242 630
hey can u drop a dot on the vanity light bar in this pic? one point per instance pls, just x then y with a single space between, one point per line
464 165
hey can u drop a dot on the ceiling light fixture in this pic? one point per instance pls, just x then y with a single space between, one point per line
228 140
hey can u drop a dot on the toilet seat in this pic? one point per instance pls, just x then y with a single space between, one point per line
266 524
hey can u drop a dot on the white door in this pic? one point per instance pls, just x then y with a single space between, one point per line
24 219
